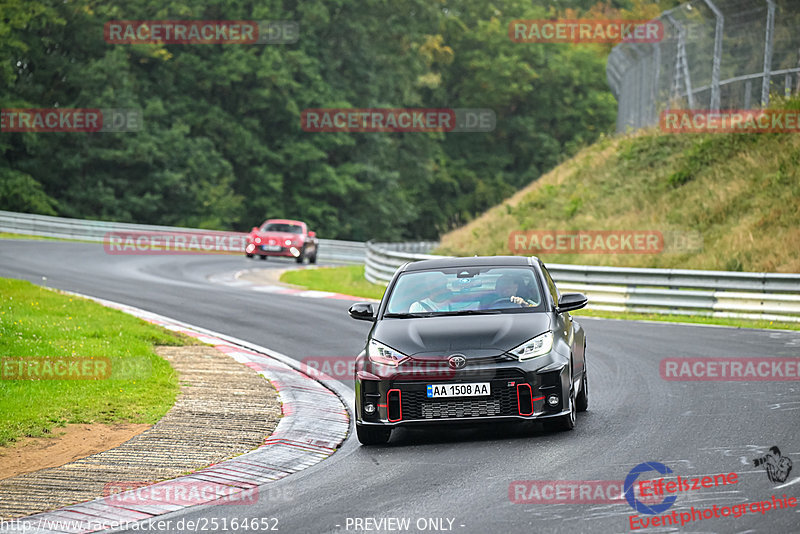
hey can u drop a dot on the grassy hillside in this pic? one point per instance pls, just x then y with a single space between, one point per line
740 192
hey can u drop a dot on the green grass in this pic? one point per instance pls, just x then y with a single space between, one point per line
7 235
348 280
39 323
720 321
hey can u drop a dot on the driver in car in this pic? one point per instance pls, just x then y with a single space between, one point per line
511 287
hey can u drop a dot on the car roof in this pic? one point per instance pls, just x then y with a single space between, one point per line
284 221
476 261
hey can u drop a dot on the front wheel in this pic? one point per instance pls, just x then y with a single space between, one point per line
368 435
299 259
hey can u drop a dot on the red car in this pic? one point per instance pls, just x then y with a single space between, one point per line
282 237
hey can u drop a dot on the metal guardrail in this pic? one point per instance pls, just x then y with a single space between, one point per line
770 296
96 231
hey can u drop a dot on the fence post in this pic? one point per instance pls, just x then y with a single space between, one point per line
681 64
748 93
768 53
718 28
654 118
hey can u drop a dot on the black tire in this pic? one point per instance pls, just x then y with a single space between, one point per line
263 257
565 422
368 435
582 400
313 259
299 259
249 255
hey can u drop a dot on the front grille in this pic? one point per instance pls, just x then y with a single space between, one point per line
502 401
461 408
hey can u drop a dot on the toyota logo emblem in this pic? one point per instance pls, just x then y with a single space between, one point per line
457 361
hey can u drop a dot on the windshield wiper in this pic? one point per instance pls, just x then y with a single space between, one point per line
467 312
440 314
406 315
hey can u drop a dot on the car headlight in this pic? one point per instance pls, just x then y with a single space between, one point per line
380 353
287 242
538 346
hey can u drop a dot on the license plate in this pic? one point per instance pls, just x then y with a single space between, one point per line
459 390
271 248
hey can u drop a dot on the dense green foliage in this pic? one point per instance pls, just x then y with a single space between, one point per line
222 145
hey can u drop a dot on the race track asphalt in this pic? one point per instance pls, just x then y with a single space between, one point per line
458 480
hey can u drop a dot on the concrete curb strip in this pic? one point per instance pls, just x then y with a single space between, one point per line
315 422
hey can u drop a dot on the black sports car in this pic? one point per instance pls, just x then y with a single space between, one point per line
470 340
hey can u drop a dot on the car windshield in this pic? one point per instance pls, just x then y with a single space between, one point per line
466 291
282 227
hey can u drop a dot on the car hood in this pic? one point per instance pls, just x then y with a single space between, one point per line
472 335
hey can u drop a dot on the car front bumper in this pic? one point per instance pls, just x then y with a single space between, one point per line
520 391
282 251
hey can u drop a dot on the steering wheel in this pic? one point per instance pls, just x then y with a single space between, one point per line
505 300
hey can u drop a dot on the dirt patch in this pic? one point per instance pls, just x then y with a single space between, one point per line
68 444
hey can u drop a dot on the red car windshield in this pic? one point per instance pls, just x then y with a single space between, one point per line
282 227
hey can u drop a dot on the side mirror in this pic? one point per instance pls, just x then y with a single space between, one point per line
312 234
571 301
362 311
255 229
